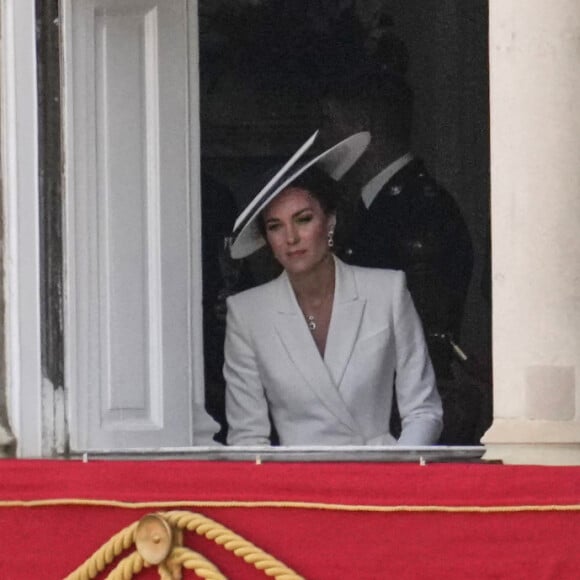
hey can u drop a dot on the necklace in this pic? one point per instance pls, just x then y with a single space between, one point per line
318 304
311 319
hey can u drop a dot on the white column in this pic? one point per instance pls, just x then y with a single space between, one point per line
535 171
19 170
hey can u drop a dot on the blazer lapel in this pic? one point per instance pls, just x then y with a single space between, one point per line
301 348
347 312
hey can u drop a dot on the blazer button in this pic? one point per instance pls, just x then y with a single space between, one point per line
349 252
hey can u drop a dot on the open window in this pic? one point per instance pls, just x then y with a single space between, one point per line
160 98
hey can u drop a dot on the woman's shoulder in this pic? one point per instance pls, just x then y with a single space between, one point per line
378 285
374 275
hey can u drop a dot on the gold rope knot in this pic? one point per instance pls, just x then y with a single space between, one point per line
154 538
158 539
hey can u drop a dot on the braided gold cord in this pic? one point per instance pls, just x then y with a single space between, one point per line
232 542
306 505
105 554
164 573
199 564
180 556
128 567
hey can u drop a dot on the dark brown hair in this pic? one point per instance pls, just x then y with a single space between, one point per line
325 190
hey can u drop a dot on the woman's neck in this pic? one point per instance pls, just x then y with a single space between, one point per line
315 285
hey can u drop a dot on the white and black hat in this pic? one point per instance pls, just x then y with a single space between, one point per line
335 162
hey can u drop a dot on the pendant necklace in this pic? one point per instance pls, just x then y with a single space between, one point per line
310 318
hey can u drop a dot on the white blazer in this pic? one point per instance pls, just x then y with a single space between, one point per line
272 365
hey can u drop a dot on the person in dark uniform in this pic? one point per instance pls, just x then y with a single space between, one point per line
401 218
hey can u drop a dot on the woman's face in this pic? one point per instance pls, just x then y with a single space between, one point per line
297 230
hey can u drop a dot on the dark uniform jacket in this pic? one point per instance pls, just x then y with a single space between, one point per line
416 226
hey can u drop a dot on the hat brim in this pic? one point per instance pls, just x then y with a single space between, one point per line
335 162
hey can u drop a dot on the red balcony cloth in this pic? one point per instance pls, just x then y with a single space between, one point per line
528 527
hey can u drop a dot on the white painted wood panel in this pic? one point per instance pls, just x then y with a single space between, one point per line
133 263
20 221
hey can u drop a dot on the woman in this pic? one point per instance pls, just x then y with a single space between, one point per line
318 348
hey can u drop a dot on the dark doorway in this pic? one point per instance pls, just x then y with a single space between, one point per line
261 63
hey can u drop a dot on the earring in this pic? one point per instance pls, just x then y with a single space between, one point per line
330 238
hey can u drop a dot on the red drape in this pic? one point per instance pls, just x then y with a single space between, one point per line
324 520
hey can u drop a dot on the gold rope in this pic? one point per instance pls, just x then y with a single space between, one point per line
180 556
126 568
134 563
107 553
232 542
193 561
289 504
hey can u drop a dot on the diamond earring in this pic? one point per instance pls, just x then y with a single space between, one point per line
330 238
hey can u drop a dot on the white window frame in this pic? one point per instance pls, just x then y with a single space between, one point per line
19 142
